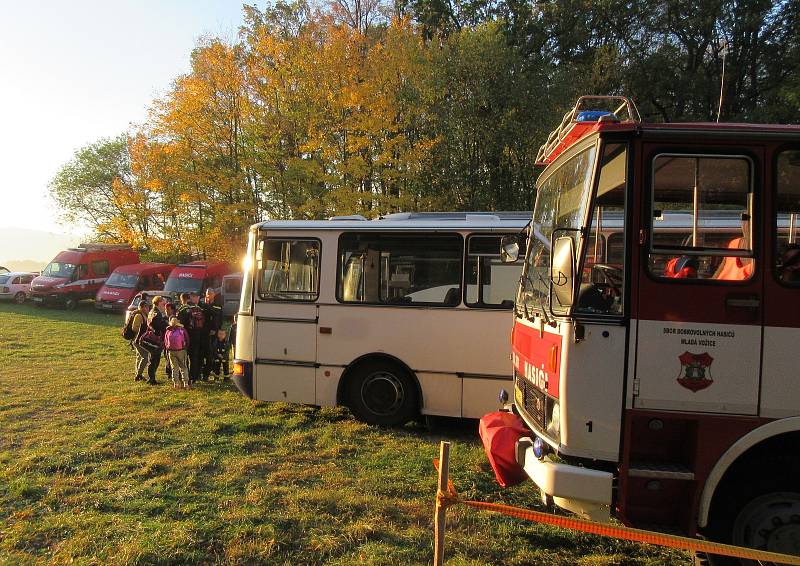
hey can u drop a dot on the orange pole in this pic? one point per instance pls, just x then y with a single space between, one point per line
439 519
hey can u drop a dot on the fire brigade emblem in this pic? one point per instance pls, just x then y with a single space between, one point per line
695 371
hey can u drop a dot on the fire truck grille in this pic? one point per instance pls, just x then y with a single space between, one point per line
534 402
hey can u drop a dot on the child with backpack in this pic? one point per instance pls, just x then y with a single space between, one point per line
133 330
176 342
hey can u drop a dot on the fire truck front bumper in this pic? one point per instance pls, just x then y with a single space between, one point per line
583 491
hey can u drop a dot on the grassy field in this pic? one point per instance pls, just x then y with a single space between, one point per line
98 469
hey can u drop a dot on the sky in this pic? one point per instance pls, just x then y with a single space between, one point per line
73 72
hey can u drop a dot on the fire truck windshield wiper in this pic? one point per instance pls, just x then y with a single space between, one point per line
543 282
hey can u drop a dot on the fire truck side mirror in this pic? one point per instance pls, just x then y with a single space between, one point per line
562 270
509 248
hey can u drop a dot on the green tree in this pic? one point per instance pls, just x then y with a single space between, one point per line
96 188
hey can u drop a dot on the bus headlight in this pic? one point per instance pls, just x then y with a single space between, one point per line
554 426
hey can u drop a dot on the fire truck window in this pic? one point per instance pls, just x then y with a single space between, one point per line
702 221
490 283
400 269
100 267
787 257
601 287
289 270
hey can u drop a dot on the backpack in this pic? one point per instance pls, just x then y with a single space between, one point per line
197 319
128 333
175 338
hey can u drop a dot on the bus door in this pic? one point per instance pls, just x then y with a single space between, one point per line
287 317
700 288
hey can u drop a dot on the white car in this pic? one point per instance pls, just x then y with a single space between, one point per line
16 285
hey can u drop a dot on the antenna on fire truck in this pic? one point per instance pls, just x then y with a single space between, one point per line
724 51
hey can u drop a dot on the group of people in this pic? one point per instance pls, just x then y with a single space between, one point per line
190 337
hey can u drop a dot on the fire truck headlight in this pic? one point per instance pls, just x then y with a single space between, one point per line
554 426
539 448
503 397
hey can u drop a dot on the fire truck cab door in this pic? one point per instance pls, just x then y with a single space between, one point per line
700 313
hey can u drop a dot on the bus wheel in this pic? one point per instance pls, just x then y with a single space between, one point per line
19 298
70 303
381 393
769 521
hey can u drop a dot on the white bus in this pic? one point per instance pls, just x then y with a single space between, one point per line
396 317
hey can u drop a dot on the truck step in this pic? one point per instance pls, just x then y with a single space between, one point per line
660 470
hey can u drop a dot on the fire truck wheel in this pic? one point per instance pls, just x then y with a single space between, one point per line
382 393
19 298
767 519
70 303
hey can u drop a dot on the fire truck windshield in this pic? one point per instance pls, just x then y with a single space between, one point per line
57 269
562 199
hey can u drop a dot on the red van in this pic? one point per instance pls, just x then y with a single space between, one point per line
78 273
196 277
127 280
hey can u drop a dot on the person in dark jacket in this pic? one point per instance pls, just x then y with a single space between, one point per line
193 319
157 322
139 326
212 307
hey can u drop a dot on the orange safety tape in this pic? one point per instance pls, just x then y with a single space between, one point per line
616 531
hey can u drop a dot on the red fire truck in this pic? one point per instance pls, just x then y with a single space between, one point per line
659 376
78 273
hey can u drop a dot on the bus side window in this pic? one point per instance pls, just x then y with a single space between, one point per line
400 269
702 221
289 270
787 256
490 282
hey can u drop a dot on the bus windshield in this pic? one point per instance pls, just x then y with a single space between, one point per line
561 204
57 269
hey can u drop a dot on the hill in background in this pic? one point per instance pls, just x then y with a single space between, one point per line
24 265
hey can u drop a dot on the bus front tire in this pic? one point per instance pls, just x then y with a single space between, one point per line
381 393
70 303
